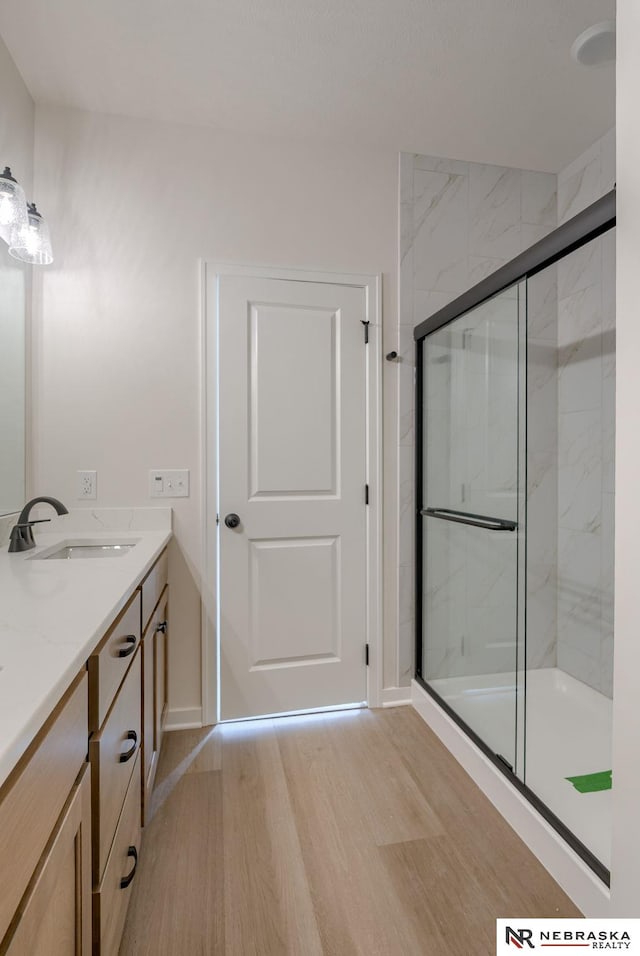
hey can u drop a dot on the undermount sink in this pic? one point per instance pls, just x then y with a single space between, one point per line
83 549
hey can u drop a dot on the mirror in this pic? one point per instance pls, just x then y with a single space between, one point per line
13 280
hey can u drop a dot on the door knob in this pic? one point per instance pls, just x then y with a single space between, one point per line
232 520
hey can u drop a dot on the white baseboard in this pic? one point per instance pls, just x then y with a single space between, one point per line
183 718
396 696
589 894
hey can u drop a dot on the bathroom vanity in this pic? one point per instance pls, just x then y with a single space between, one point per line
83 687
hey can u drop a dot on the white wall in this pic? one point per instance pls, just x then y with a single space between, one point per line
133 206
625 869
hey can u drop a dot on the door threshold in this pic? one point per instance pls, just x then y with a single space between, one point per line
310 712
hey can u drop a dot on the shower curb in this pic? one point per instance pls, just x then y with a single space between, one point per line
589 894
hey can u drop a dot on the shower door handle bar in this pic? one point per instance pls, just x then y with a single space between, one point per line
465 517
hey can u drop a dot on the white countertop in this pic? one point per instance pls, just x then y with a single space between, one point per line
54 612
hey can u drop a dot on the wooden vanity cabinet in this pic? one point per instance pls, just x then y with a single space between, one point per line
70 831
45 839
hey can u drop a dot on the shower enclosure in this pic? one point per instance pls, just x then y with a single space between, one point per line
515 406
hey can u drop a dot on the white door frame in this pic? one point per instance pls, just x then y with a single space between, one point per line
209 452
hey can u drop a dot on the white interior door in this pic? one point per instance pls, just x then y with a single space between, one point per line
292 467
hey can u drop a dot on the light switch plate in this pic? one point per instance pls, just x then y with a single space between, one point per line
169 483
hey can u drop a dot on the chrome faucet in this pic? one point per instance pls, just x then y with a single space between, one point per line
21 533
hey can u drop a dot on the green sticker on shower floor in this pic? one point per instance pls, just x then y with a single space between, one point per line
591 782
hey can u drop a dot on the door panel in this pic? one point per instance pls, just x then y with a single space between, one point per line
292 427
298 626
293 431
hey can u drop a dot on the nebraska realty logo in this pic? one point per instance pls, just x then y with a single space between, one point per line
562 935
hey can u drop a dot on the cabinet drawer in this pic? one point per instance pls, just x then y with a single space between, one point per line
153 586
32 798
113 754
109 664
111 900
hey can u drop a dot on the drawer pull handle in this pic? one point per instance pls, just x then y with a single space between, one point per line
131 642
162 626
126 880
131 735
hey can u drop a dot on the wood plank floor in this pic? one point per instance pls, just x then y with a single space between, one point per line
335 834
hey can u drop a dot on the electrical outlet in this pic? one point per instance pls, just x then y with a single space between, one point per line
87 484
173 483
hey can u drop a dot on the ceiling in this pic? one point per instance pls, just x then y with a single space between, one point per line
484 80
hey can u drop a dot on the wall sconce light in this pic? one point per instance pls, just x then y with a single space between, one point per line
31 242
13 205
21 225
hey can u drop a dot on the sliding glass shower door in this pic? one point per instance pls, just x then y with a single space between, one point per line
515 522
472 517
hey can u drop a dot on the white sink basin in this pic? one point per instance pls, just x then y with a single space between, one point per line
83 549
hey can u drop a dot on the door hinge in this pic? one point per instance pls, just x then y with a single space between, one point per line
366 331
366 494
366 654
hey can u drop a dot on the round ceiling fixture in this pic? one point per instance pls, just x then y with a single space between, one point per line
596 46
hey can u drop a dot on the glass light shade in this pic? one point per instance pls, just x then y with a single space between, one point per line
31 243
13 205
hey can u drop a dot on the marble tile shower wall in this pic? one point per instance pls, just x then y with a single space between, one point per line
458 223
586 423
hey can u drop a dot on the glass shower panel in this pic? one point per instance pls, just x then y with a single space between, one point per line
472 420
570 540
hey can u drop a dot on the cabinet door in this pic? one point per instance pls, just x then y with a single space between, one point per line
54 918
154 697
148 718
161 665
